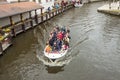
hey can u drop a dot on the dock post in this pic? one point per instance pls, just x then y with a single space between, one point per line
1 48
30 17
36 17
23 23
46 17
12 24
41 16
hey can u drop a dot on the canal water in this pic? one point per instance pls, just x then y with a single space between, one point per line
94 52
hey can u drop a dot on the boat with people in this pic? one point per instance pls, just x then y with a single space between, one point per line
78 4
58 44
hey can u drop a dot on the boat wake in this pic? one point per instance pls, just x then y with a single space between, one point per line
41 35
59 62
71 54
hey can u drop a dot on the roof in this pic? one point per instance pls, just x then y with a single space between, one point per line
17 8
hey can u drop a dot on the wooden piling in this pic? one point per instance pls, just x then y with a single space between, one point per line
12 24
23 23
30 17
36 17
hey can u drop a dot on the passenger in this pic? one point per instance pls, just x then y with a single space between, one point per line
59 44
60 35
64 47
80 1
67 34
51 34
55 34
48 48
57 29
64 29
54 48
66 41
51 41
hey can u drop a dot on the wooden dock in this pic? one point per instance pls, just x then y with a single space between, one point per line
25 23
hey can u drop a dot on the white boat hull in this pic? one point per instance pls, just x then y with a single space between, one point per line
55 55
78 5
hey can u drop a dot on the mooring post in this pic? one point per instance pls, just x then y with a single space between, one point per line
12 24
30 17
23 23
36 17
41 15
1 48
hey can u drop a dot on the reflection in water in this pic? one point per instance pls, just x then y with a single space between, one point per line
54 69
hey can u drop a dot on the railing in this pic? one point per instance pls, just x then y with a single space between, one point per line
5 42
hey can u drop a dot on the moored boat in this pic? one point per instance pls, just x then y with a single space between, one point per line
78 5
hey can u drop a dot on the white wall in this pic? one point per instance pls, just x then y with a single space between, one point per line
47 4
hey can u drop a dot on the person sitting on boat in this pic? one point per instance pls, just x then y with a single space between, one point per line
63 29
48 48
64 47
66 39
58 44
80 1
57 28
55 31
53 37
54 47
60 35
66 42
68 34
51 41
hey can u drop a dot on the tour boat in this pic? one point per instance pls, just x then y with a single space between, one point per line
78 5
52 53
55 54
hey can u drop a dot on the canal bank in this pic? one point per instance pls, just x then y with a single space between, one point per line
111 8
